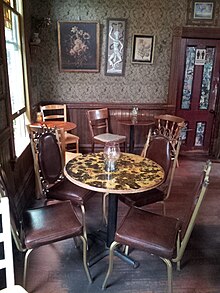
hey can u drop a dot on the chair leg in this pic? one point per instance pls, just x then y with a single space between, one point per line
104 213
77 146
178 250
110 267
84 221
126 251
85 245
27 253
125 146
169 275
93 147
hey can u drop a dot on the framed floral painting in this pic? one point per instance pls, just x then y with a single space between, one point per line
78 46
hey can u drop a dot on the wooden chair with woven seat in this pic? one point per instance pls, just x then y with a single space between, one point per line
170 126
59 112
99 128
163 236
42 225
49 163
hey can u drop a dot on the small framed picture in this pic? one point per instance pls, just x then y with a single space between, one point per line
78 46
115 47
143 49
203 12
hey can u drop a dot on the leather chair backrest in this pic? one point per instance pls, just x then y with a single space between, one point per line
49 157
159 150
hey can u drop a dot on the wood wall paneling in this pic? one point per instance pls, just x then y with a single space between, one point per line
77 114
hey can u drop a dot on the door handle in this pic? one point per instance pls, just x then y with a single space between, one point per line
212 111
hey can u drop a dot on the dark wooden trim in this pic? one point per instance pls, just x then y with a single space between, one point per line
178 34
200 32
118 106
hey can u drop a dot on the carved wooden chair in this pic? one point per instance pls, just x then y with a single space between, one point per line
170 126
49 164
164 236
59 112
43 225
99 128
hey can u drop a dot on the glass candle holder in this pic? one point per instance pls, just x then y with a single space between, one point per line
134 112
111 156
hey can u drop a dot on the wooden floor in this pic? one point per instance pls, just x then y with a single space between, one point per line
58 268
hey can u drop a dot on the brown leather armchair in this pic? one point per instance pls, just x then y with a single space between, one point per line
43 225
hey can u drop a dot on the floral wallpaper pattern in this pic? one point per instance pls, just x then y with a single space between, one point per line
140 84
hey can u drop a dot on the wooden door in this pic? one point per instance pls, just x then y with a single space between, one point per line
197 91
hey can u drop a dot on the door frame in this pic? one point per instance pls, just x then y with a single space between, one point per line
174 80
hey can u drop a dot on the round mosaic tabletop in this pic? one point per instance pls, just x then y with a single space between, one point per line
133 173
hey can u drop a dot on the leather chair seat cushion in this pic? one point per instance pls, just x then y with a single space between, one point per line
143 198
150 232
66 190
50 223
108 137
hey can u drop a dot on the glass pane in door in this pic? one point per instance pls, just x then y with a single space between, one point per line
206 79
188 77
200 133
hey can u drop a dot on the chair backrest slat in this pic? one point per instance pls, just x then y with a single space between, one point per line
54 112
98 121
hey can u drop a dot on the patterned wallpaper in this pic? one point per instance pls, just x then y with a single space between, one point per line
142 83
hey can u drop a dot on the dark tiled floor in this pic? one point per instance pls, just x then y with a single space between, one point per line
58 267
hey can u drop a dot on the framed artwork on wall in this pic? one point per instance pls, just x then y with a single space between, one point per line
143 49
115 47
203 12
78 46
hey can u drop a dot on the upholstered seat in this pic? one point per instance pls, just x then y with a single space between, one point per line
160 235
51 223
42 225
64 190
48 158
155 233
108 137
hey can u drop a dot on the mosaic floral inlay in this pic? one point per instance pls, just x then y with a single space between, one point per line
133 173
